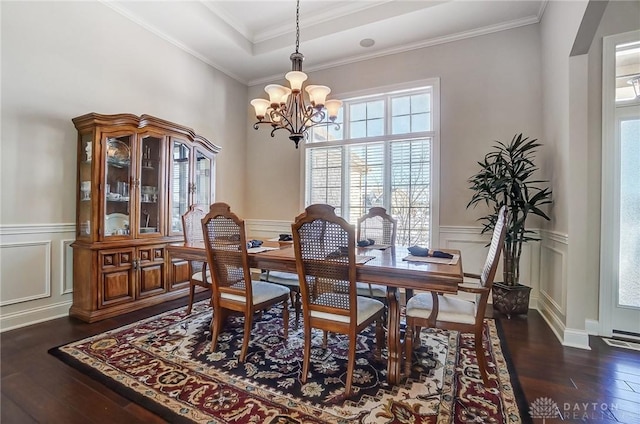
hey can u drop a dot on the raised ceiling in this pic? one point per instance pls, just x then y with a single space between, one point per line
251 40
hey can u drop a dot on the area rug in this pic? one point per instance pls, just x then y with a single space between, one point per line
164 363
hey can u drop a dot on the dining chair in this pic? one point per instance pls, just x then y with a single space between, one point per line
458 312
233 289
324 245
380 227
192 230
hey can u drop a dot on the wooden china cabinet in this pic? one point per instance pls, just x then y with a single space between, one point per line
136 177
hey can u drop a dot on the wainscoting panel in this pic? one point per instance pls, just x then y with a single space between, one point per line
36 280
263 229
26 271
553 281
66 267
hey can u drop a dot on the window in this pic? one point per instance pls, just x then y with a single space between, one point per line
384 154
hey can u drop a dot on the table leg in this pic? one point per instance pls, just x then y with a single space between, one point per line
393 337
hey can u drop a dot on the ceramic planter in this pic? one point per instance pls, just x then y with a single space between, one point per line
511 300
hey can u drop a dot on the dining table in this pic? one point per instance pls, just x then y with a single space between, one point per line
385 266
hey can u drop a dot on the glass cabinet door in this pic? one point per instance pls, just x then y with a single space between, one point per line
203 176
149 211
85 162
179 184
117 191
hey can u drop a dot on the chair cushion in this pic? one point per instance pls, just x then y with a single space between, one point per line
367 307
278 277
378 290
198 276
262 292
450 308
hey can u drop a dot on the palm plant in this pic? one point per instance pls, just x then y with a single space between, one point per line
506 178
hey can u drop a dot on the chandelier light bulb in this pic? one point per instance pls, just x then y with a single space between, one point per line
296 78
333 107
276 92
318 94
261 106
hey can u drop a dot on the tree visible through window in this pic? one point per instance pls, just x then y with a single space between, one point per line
381 156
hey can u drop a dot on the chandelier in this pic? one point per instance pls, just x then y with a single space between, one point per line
287 108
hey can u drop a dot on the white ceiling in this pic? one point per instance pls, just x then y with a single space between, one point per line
251 40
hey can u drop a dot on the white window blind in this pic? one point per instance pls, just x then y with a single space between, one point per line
381 156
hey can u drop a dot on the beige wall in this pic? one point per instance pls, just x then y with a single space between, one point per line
65 59
490 90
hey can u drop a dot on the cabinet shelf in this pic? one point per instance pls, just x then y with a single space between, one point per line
117 163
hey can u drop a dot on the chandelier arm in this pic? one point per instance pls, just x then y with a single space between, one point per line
257 125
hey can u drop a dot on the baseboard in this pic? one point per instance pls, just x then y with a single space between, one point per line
569 337
576 338
33 316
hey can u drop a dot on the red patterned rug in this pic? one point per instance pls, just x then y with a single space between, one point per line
164 364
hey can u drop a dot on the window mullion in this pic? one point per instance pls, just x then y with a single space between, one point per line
387 176
346 181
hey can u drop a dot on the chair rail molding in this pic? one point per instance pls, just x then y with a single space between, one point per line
35 273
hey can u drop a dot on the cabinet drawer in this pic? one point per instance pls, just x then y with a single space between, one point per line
116 259
151 254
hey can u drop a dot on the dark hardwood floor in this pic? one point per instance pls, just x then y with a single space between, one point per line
601 385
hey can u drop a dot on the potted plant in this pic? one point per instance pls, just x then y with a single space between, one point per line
506 178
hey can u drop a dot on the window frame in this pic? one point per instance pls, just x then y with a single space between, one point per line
432 86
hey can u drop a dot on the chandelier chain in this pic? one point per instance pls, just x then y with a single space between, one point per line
297 25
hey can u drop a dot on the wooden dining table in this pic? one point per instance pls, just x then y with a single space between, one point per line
385 267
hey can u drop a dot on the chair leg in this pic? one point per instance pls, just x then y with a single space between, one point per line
216 326
306 357
285 319
298 307
408 346
480 355
192 289
325 337
248 323
416 333
377 354
351 364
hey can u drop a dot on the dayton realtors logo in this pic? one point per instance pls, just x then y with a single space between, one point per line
546 408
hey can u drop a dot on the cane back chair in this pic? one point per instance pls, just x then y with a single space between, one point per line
458 312
380 227
233 289
324 246
192 229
